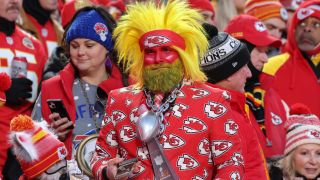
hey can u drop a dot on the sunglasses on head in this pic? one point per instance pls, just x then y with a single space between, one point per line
102 97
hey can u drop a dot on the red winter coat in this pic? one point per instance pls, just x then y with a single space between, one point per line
60 87
254 160
275 114
293 77
199 140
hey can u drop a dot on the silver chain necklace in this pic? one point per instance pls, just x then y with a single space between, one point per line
91 108
164 106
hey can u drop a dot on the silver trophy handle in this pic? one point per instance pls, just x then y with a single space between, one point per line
148 127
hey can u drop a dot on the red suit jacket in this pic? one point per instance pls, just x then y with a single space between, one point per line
200 139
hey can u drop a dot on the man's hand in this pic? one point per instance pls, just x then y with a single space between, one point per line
112 168
61 126
20 90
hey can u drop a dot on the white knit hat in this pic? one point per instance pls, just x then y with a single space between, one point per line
302 128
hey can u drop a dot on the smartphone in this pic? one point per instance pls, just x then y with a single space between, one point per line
125 167
57 106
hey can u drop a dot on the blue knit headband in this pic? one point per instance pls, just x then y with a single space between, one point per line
90 25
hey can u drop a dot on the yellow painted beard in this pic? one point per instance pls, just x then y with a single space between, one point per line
163 77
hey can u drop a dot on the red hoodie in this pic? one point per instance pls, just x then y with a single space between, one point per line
292 76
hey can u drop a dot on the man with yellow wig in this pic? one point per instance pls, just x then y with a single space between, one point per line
174 124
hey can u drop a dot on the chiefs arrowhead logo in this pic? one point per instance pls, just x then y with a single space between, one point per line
259 26
128 102
134 115
214 110
141 169
155 40
193 125
172 141
276 120
111 138
199 93
220 147
231 127
235 176
106 120
127 134
237 159
304 13
27 43
112 100
284 14
198 177
314 134
62 152
296 3
226 95
178 109
143 152
180 94
186 162
101 152
204 147
118 116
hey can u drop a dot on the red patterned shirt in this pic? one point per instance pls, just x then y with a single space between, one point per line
199 140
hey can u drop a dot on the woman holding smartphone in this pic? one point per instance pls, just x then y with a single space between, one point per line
84 83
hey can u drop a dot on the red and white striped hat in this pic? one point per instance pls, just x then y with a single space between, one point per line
302 128
37 149
266 9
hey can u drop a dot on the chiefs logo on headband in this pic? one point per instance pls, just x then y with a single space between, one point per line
153 41
161 37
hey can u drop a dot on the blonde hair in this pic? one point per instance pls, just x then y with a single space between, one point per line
225 11
175 16
287 165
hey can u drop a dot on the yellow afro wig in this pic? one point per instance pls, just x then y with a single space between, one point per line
176 16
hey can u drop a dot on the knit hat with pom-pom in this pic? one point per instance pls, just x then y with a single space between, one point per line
36 148
302 127
5 83
225 56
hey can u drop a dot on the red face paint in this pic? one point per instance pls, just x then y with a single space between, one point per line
160 54
156 46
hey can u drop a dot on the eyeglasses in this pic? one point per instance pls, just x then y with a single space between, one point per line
102 97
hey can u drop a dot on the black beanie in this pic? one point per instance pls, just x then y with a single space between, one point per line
225 56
